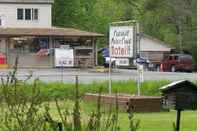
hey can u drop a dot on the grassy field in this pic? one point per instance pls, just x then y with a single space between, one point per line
66 90
161 121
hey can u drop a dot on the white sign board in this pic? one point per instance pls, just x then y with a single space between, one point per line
122 62
64 58
121 41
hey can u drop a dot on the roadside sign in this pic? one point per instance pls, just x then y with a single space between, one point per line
122 61
64 58
121 41
105 52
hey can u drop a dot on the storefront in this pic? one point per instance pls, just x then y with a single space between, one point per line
36 47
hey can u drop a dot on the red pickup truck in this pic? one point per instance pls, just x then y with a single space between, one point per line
177 62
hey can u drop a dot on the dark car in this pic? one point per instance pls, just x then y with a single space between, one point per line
177 62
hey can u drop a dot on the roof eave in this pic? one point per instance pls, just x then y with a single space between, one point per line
61 32
172 85
27 1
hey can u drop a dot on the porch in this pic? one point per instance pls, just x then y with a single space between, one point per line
35 46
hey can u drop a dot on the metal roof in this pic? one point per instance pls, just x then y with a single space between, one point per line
27 1
54 31
178 84
148 43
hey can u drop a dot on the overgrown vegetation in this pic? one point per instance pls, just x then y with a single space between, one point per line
23 108
50 91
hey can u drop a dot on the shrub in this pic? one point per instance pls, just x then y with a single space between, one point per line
23 110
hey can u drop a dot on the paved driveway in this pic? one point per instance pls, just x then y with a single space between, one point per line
90 75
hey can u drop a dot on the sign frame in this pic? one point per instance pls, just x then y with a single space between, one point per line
65 58
121 41
129 23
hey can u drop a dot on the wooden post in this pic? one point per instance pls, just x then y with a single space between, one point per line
95 55
51 46
96 49
178 120
7 52
109 73
76 113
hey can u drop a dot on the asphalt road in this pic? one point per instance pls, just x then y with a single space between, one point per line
90 75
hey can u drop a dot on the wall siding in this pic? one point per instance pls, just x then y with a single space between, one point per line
8 12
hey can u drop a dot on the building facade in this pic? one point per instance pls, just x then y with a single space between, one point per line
153 49
26 13
26 31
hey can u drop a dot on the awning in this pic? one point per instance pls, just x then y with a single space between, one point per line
27 1
53 31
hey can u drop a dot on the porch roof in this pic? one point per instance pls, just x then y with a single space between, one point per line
27 1
53 31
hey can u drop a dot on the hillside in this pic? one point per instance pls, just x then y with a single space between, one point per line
171 21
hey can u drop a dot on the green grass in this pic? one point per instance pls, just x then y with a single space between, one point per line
161 121
148 121
66 90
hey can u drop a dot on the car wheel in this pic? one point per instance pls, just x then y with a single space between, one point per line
189 71
173 68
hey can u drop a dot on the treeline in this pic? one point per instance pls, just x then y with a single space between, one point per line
173 21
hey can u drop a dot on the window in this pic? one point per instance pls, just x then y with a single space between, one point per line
29 45
35 14
27 14
20 14
84 52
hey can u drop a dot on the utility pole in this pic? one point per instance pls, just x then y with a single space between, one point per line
138 37
180 35
180 39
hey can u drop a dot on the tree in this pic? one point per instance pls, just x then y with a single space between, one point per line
66 13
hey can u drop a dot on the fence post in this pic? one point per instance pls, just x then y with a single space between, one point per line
76 113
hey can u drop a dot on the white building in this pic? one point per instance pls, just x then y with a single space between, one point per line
26 13
26 31
153 49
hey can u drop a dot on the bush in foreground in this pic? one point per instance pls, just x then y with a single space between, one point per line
23 109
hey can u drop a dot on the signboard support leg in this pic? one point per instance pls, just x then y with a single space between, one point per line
138 86
110 79
62 73
140 78
178 120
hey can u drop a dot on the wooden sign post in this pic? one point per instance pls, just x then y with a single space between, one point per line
122 43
